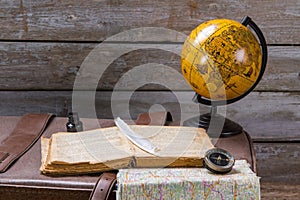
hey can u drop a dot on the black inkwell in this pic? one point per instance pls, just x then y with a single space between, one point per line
74 124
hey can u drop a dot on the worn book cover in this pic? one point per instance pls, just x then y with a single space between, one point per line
107 148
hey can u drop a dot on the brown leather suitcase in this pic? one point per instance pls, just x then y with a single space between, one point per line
23 179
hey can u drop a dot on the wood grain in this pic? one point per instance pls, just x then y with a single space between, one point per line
99 19
278 162
279 190
54 66
265 116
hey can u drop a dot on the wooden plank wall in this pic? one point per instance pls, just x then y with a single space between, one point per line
44 43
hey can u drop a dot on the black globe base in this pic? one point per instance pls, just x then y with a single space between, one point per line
216 125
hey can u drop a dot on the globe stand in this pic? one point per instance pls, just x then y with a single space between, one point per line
215 124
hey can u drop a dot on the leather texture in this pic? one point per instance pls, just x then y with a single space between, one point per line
25 134
240 146
23 180
103 189
155 118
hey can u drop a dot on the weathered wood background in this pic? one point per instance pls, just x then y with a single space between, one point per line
44 43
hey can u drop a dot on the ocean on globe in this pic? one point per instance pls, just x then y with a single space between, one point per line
221 59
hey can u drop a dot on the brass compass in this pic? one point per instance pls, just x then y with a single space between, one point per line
218 161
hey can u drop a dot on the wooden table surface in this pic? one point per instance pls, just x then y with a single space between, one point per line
280 190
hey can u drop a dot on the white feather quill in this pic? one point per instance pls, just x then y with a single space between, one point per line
142 142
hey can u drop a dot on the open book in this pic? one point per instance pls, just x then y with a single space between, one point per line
107 149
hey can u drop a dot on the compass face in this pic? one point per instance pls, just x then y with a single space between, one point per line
218 161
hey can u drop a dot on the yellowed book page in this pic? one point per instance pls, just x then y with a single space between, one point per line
185 145
95 146
44 151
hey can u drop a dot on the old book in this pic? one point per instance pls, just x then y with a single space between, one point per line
107 148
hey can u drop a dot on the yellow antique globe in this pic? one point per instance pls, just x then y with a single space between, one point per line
221 59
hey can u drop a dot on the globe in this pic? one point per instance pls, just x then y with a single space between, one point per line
221 59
